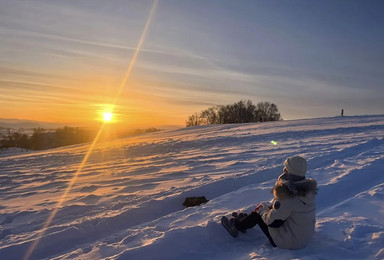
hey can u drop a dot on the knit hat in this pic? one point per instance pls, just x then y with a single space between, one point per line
296 165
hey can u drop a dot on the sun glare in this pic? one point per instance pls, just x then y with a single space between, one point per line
107 116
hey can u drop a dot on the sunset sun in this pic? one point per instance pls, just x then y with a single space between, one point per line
107 116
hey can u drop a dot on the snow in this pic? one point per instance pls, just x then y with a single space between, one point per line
127 201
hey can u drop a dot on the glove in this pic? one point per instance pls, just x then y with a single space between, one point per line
262 208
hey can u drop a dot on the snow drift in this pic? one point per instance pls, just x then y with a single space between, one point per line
127 201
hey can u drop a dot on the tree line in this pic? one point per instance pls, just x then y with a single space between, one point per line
44 139
243 111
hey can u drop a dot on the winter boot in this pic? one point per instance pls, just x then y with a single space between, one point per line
236 217
229 225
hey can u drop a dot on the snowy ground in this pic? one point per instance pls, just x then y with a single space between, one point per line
127 201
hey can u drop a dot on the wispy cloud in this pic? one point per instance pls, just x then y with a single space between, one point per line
65 54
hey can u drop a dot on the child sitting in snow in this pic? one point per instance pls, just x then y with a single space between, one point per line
289 221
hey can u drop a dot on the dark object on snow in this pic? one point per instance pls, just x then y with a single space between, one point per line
194 201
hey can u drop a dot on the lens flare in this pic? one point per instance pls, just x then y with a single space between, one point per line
273 142
107 117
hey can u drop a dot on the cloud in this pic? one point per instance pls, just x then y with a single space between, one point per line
66 53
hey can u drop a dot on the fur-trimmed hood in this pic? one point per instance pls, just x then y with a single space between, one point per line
289 189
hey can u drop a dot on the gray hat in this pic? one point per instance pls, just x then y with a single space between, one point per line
296 165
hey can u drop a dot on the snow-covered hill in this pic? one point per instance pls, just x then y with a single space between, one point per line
127 201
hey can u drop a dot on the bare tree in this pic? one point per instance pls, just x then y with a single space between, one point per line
209 116
193 120
266 111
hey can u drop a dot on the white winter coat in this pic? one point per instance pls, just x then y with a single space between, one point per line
291 221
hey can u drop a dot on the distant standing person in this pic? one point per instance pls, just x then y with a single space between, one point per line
342 112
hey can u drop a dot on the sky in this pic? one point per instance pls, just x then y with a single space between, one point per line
64 61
